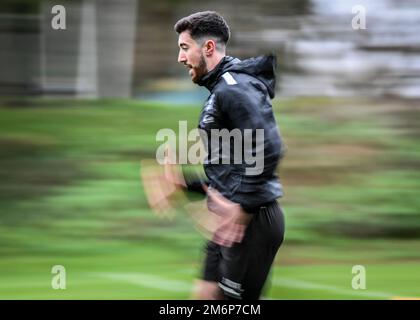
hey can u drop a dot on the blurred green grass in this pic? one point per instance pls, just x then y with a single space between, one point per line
70 195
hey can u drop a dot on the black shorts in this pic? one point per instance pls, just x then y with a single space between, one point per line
242 269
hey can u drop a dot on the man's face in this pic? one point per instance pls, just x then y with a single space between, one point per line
191 55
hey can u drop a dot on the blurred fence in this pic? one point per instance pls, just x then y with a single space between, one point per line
122 48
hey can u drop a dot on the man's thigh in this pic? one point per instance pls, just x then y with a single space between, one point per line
241 270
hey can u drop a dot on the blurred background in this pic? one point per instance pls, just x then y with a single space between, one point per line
80 108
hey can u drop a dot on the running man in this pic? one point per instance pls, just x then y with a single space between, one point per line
242 193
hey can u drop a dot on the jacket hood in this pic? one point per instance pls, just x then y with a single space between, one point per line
262 68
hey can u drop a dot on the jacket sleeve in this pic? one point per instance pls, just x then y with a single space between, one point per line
195 183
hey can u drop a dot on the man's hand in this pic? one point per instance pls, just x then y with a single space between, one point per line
156 188
173 172
224 221
226 227
232 222
159 185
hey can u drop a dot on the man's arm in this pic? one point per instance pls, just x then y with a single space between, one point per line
242 110
195 183
242 107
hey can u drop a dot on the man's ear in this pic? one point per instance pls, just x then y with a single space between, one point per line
209 47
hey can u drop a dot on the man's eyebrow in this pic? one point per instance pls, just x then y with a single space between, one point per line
183 44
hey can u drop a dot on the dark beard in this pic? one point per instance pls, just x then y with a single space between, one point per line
201 70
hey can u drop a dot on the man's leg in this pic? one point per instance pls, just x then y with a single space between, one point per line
239 272
245 266
207 290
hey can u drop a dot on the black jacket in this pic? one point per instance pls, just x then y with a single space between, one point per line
240 99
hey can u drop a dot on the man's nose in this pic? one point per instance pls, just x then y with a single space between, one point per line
181 57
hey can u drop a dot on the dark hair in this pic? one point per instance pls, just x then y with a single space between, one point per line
206 23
